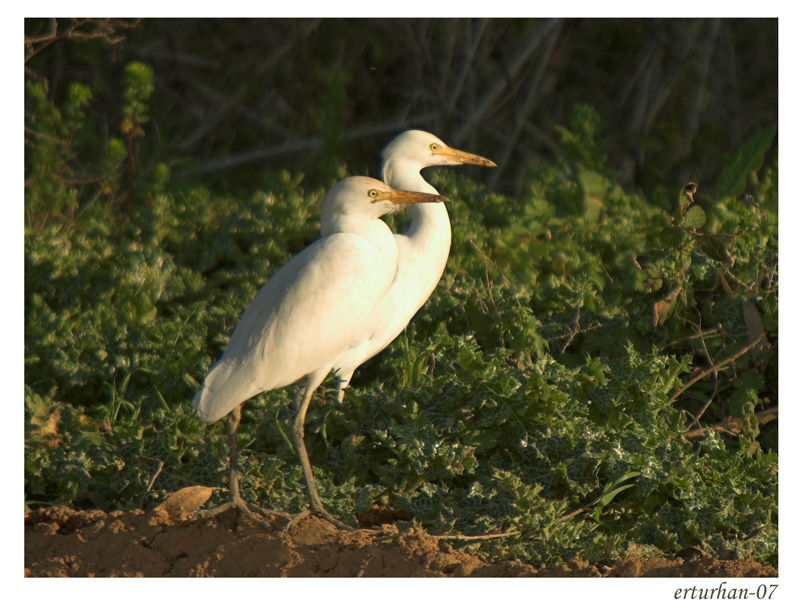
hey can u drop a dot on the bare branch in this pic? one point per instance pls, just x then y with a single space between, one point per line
713 368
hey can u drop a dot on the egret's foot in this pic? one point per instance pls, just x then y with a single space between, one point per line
320 514
248 510
296 519
327 516
234 496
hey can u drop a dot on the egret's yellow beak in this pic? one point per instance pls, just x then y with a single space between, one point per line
408 197
457 157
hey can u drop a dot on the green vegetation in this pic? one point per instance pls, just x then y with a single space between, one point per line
594 371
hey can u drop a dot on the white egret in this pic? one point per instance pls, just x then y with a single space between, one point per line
310 312
422 249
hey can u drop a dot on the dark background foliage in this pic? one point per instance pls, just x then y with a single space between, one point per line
237 97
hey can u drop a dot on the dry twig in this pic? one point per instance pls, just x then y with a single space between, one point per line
717 367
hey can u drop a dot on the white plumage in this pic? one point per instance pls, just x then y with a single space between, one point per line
315 309
422 249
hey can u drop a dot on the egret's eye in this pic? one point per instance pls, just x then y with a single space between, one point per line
373 193
434 147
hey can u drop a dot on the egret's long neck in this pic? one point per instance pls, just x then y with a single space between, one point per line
425 245
374 230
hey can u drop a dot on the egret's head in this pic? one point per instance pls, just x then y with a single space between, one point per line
362 198
418 149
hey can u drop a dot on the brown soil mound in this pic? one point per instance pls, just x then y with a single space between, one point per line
60 542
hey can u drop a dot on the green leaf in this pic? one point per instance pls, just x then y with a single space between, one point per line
611 490
686 196
748 159
713 248
693 218
672 237
481 439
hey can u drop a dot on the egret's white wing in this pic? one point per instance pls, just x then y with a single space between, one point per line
299 322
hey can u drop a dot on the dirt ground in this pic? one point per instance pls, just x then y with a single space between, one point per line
170 542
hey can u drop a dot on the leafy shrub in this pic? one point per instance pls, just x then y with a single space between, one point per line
587 378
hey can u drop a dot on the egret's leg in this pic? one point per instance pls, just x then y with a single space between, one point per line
234 496
342 382
298 433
